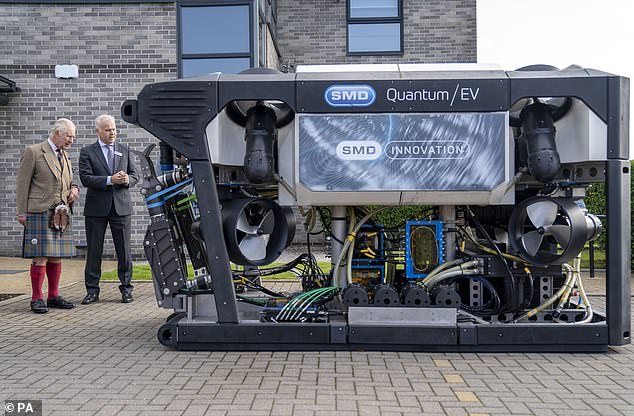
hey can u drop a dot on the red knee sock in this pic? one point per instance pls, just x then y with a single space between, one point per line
37 279
53 272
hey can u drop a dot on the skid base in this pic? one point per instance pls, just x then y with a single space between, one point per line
183 334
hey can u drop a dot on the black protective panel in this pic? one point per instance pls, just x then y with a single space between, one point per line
178 112
542 334
160 250
256 332
592 90
338 333
467 334
420 95
403 335
619 118
257 87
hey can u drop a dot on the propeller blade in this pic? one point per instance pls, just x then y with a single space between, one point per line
253 247
532 241
560 232
542 213
244 226
268 223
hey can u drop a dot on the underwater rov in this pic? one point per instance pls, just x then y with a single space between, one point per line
498 161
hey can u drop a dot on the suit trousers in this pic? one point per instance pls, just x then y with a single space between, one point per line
95 234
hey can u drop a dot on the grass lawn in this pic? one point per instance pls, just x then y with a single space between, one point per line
599 259
142 271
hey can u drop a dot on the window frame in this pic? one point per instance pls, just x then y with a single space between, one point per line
375 20
180 56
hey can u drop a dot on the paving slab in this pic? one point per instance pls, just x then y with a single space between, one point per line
104 359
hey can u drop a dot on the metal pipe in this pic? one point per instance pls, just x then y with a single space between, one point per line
448 217
338 228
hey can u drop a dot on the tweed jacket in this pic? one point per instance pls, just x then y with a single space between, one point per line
93 173
41 182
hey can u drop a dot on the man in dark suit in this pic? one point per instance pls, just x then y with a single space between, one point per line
108 171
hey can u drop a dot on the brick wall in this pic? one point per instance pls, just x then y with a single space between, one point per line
314 32
118 47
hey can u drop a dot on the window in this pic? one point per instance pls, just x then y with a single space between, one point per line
215 38
375 27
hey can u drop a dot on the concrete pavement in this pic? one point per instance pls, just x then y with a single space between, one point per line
14 274
104 359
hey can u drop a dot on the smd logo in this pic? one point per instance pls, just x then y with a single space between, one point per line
350 95
359 150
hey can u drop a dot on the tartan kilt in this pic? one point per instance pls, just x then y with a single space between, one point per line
40 240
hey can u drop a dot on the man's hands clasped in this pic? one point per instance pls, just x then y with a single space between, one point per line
120 178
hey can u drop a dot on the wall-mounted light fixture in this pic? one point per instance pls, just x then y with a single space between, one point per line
66 71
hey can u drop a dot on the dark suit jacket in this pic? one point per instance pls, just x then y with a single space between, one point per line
93 173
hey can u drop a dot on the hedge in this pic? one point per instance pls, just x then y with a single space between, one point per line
595 202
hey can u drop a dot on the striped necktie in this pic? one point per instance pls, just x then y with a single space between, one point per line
60 158
110 159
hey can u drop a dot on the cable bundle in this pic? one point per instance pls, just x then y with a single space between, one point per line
295 309
573 277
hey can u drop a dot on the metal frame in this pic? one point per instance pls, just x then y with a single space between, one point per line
605 94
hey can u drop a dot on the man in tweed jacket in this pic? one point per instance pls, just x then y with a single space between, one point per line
45 180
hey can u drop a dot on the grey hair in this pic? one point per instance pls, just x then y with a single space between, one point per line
103 117
61 124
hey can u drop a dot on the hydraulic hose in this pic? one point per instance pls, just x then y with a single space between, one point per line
443 266
586 302
568 283
566 295
461 270
576 264
350 250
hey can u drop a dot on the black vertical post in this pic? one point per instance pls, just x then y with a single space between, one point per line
591 254
618 256
218 265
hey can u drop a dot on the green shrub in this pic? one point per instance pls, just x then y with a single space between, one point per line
396 216
595 202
